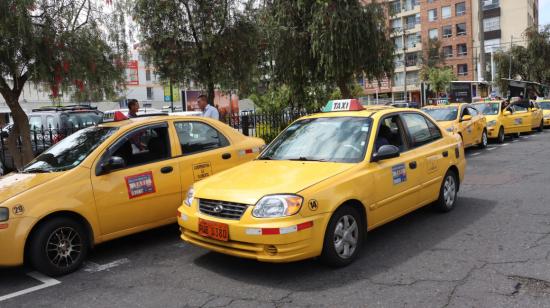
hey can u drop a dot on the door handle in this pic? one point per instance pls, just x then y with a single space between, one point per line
166 169
445 153
226 155
412 165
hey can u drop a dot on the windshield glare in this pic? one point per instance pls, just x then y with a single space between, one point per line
71 151
342 139
488 108
545 105
442 114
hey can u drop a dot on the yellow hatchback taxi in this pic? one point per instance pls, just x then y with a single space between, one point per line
109 181
323 183
461 119
545 106
511 119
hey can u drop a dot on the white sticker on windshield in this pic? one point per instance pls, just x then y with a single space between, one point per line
365 128
362 143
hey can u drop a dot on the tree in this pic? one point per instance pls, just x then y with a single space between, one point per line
439 78
213 42
327 42
59 43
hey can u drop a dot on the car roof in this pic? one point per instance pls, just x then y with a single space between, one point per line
371 112
458 105
149 119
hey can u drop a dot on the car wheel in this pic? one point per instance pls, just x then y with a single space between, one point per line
448 192
541 126
343 237
58 247
484 140
500 138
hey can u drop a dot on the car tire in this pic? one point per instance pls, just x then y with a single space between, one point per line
59 246
500 137
447 193
541 126
484 140
340 234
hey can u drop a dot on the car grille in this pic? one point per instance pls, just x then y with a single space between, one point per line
229 210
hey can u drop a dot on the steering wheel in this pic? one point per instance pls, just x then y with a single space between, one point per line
356 149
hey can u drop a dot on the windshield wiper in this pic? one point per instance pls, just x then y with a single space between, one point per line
36 170
302 158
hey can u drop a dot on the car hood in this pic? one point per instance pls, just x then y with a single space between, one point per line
13 184
249 182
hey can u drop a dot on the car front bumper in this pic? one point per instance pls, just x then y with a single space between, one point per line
12 240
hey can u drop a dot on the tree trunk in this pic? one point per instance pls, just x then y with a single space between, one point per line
211 94
344 89
20 130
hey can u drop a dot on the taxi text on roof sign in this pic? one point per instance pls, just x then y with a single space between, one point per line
343 105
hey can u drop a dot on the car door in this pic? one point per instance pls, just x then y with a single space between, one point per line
397 179
146 190
467 127
511 120
205 151
478 125
524 118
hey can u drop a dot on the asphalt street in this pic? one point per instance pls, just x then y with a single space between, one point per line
493 250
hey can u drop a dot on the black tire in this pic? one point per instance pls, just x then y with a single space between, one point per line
447 193
330 254
541 126
500 137
68 243
484 140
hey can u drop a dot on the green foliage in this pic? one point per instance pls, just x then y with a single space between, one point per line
439 78
266 132
356 91
273 100
212 42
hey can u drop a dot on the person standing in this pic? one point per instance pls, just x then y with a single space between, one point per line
208 111
133 108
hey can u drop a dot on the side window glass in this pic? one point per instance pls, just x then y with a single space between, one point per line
520 109
35 122
434 131
50 122
472 111
390 133
198 137
419 133
143 146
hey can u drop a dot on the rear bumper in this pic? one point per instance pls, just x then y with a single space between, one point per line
12 241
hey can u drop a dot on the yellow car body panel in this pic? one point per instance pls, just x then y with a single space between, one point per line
470 130
104 201
510 122
324 186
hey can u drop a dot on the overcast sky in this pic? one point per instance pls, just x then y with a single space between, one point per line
544 12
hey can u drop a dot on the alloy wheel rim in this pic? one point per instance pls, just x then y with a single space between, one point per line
346 236
449 191
484 137
64 247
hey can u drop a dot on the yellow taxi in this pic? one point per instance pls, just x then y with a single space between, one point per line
506 119
537 116
323 183
545 106
462 119
109 181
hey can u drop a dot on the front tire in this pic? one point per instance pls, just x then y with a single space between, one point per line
447 193
541 126
58 247
343 237
484 140
500 137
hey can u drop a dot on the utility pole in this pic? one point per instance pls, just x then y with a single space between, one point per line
404 64
481 41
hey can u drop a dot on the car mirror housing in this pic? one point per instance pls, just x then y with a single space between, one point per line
386 152
114 162
466 117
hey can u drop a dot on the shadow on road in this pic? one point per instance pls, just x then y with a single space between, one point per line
386 247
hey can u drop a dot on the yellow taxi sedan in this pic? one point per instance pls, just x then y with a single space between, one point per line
323 183
109 181
462 119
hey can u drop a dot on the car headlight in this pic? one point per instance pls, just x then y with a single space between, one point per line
189 196
4 214
277 206
491 123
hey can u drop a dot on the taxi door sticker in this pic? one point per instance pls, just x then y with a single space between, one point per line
140 184
201 171
518 121
432 162
399 173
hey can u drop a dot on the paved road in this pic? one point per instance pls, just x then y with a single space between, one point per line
493 250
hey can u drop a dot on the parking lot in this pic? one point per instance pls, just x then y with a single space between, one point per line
493 250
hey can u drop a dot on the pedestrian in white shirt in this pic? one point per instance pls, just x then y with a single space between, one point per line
208 111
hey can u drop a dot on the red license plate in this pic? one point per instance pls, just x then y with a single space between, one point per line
216 230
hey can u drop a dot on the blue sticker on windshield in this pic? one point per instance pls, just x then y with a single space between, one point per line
399 173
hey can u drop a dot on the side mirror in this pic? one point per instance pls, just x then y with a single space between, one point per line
115 162
386 152
466 117
507 112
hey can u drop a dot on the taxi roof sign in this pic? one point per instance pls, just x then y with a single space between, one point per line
343 105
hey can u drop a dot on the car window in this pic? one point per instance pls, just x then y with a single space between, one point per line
35 122
472 111
198 137
390 132
519 109
419 132
50 122
143 146
488 108
83 119
442 114
434 130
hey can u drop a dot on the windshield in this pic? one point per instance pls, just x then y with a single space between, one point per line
342 139
545 105
442 114
488 108
71 151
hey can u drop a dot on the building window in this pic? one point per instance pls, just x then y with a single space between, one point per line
396 24
461 29
462 69
447 31
433 34
432 15
398 79
410 21
395 7
461 50
149 93
460 8
398 41
446 12
413 40
490 4
148 75
398 60
491 24
411 59
447 51
492 45
417 18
